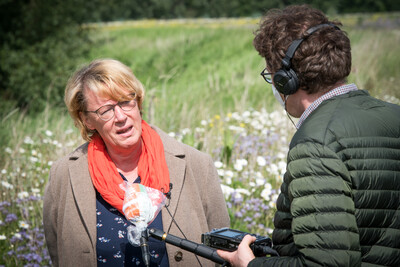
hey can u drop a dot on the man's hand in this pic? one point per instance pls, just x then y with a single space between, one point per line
242 256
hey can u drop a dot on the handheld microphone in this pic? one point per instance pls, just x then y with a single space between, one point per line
198 249
145 248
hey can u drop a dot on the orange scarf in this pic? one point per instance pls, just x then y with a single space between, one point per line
152 167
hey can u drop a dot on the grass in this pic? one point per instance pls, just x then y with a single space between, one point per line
376 57
203 86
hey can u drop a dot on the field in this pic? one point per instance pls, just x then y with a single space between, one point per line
203 87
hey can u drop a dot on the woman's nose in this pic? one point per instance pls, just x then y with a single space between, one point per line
119 113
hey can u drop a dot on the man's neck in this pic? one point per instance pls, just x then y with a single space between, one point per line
301 100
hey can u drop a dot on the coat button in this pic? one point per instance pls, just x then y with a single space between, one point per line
178 256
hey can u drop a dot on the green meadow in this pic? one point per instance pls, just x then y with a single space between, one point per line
203 87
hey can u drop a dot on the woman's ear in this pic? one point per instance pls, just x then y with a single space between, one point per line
86 120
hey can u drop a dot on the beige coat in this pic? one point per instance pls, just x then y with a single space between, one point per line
69 213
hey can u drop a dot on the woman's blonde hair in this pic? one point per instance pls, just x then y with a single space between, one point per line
107 78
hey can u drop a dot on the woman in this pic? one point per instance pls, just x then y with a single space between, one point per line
83 218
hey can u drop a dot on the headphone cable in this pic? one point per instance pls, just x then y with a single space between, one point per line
287 113
173 217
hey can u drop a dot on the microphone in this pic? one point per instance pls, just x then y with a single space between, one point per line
198 249
145 248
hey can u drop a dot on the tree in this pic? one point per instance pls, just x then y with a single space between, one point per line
40 41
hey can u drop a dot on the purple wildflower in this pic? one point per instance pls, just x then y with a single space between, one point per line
11 217
239 214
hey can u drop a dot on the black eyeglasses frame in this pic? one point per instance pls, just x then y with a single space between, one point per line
266 75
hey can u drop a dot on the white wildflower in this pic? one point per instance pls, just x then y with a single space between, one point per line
28 140
199 130
35 190
8 150
3 237
238 165
7 185
23 225
185 131
48 133
226 190
272 203
218 164
229 173
242 162
260 181
17 235
273 169
236 116
282 167
266 193
23 194
246 114
281 155
261 161
242 191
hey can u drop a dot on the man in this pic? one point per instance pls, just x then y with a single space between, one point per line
340 199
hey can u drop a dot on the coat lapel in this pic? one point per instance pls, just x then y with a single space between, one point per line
176 168
83 192
174 156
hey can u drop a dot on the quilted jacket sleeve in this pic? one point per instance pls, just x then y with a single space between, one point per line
315 224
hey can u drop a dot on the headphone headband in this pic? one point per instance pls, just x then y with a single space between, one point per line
285 79
296 43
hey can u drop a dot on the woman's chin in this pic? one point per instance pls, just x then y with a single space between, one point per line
128 141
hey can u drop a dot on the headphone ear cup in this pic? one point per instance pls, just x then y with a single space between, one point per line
286 81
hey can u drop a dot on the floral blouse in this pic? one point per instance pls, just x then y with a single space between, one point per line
113 247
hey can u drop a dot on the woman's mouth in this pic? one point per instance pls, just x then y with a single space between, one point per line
124 130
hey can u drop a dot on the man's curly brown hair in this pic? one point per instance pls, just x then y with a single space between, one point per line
322 60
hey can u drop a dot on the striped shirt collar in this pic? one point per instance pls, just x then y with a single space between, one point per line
344 89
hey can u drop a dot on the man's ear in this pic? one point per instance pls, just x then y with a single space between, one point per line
86 121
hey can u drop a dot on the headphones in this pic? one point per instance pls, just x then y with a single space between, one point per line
285 79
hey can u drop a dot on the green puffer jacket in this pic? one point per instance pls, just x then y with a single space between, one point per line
340 199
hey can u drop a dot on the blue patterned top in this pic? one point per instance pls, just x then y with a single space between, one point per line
113 247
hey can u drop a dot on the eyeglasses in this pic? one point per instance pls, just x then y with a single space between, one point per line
107 112
267 76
